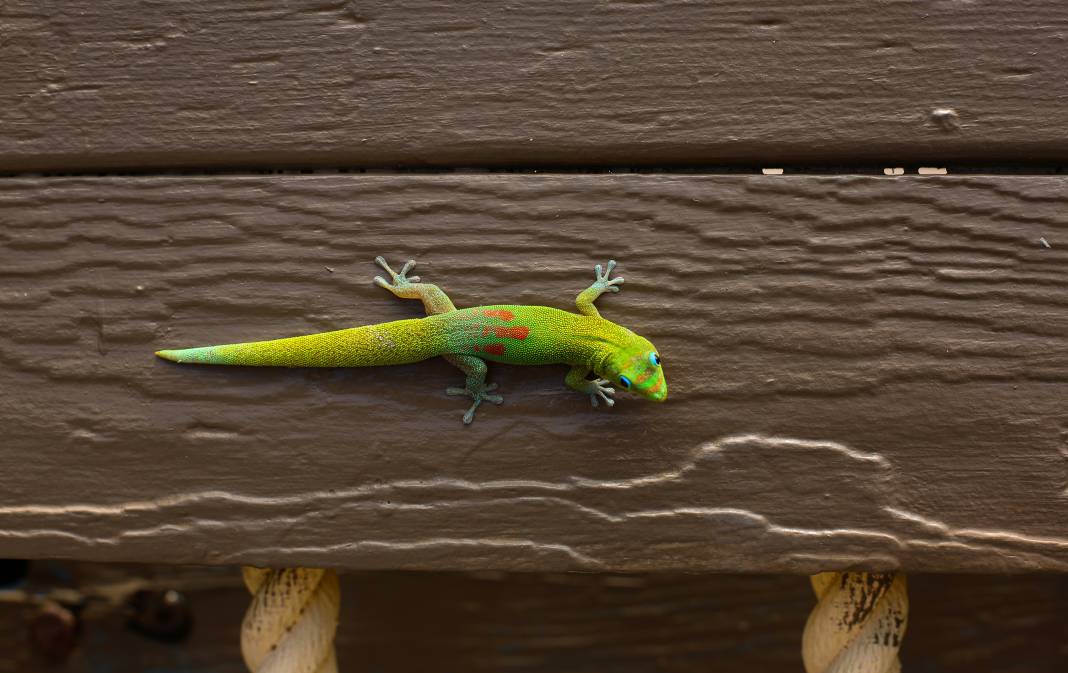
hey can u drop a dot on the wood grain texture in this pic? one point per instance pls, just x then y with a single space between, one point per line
404 622
141 84
864 372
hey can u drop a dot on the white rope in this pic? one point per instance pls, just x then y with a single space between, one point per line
857 625
290 625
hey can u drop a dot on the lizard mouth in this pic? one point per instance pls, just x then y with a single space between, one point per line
657 393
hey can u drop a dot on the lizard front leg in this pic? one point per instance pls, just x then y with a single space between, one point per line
475 388
433 298
604 283
576 380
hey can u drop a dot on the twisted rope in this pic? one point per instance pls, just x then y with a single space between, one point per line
290 626
856 627
858 623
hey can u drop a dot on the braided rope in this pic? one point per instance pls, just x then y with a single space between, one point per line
857 625
290 625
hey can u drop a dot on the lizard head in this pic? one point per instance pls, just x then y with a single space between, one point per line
635 367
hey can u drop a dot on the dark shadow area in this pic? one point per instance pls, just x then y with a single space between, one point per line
13 572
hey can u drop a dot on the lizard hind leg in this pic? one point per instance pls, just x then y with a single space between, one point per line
434 299
475 387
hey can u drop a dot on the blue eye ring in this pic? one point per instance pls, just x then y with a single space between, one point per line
655 359
624 381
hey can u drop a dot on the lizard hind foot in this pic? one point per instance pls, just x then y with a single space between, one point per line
479 395
398 279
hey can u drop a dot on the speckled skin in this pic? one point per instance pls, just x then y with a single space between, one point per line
525 335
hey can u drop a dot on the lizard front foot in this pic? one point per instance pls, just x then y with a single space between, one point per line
400 280
479 394
604 280
600 388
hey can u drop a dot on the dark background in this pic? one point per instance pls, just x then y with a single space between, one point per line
411 622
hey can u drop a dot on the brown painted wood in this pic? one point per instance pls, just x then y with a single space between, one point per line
401 622
863 372
89 84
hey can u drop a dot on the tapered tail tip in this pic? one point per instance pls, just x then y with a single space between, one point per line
168 355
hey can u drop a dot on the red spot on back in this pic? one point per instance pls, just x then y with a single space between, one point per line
499 313
512 332
494 349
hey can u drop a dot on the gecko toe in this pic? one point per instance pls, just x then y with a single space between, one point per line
469 417
381 261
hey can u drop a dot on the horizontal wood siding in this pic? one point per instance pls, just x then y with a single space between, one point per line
134 84
863 372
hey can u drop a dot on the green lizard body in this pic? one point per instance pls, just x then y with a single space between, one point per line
525 335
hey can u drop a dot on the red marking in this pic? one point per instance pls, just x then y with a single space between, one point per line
494 349
512 332
521 332
499 313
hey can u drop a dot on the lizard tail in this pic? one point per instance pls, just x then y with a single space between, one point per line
391 343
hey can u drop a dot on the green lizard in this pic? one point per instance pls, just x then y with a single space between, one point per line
524 335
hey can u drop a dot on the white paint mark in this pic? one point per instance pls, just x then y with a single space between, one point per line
771 171
733 442
929 170
936 526
895 170
946 119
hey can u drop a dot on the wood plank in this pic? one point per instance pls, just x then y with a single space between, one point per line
93 85
863 372
404 622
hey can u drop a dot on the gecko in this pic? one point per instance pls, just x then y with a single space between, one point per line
468 338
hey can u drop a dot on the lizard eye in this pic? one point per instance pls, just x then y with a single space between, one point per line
624 381
655 359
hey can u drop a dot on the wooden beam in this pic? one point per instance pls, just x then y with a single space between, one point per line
863 371
92 85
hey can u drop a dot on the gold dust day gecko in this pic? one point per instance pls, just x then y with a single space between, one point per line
467 338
